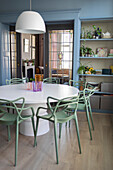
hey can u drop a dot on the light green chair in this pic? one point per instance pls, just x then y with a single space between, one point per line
84 104
7 117
78 84
58 114
51 80
16 81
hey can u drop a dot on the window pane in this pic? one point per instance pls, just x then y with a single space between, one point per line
33 40
14 64
33 53
60 54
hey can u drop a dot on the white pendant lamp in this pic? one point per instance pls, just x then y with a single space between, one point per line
30 22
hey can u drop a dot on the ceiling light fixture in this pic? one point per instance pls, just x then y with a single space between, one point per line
30 22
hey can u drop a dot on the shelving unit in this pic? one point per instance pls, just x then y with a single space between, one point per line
101 98
98 63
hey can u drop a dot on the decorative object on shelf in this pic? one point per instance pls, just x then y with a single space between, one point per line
106 71
25 63
28 62
89 35
86 51
30 22
90 52
106 35
96 55
86 70
83 33
102 52
98 71
97 32
89 70
82 49
111 53
92 85
81 69
111 67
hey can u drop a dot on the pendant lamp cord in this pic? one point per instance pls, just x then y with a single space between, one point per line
30 5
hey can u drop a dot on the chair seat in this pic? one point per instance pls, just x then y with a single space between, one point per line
8 117
81 106
60 115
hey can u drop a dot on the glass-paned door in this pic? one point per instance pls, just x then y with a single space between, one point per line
13 51
33 46
61 54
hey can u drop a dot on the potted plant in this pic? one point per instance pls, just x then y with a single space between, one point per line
98 31
89 51
81 69
89 70
89 35
82 49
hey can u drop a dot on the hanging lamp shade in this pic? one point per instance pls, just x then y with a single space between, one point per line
30 22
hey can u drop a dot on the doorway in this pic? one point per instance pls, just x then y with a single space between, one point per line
60 51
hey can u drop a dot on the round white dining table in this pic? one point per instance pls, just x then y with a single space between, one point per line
36 99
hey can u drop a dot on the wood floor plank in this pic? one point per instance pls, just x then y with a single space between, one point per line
96 154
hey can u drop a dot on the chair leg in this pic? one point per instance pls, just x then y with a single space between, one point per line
60 128
55 135
77 130
9 135
32 118
90 111
35 141
87 114
69 123
16 142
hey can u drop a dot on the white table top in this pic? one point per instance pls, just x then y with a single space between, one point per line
59 91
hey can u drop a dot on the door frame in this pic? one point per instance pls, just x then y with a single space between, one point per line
63 16
55 26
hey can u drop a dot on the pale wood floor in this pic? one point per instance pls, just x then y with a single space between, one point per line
96 154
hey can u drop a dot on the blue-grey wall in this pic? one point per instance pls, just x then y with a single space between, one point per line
10 9
89 8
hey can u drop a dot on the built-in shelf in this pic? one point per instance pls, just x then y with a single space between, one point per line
100 39
96 57
96 75
103 93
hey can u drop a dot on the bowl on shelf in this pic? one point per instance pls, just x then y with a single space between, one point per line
94 84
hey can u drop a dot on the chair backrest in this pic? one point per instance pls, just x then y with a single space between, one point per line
63 103
78 84
16 81
51 80
6 105
89 92
86 94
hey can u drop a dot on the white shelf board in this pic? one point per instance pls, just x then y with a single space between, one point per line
100 39
96 75
100 92
96 57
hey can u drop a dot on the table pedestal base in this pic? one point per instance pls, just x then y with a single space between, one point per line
26 126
